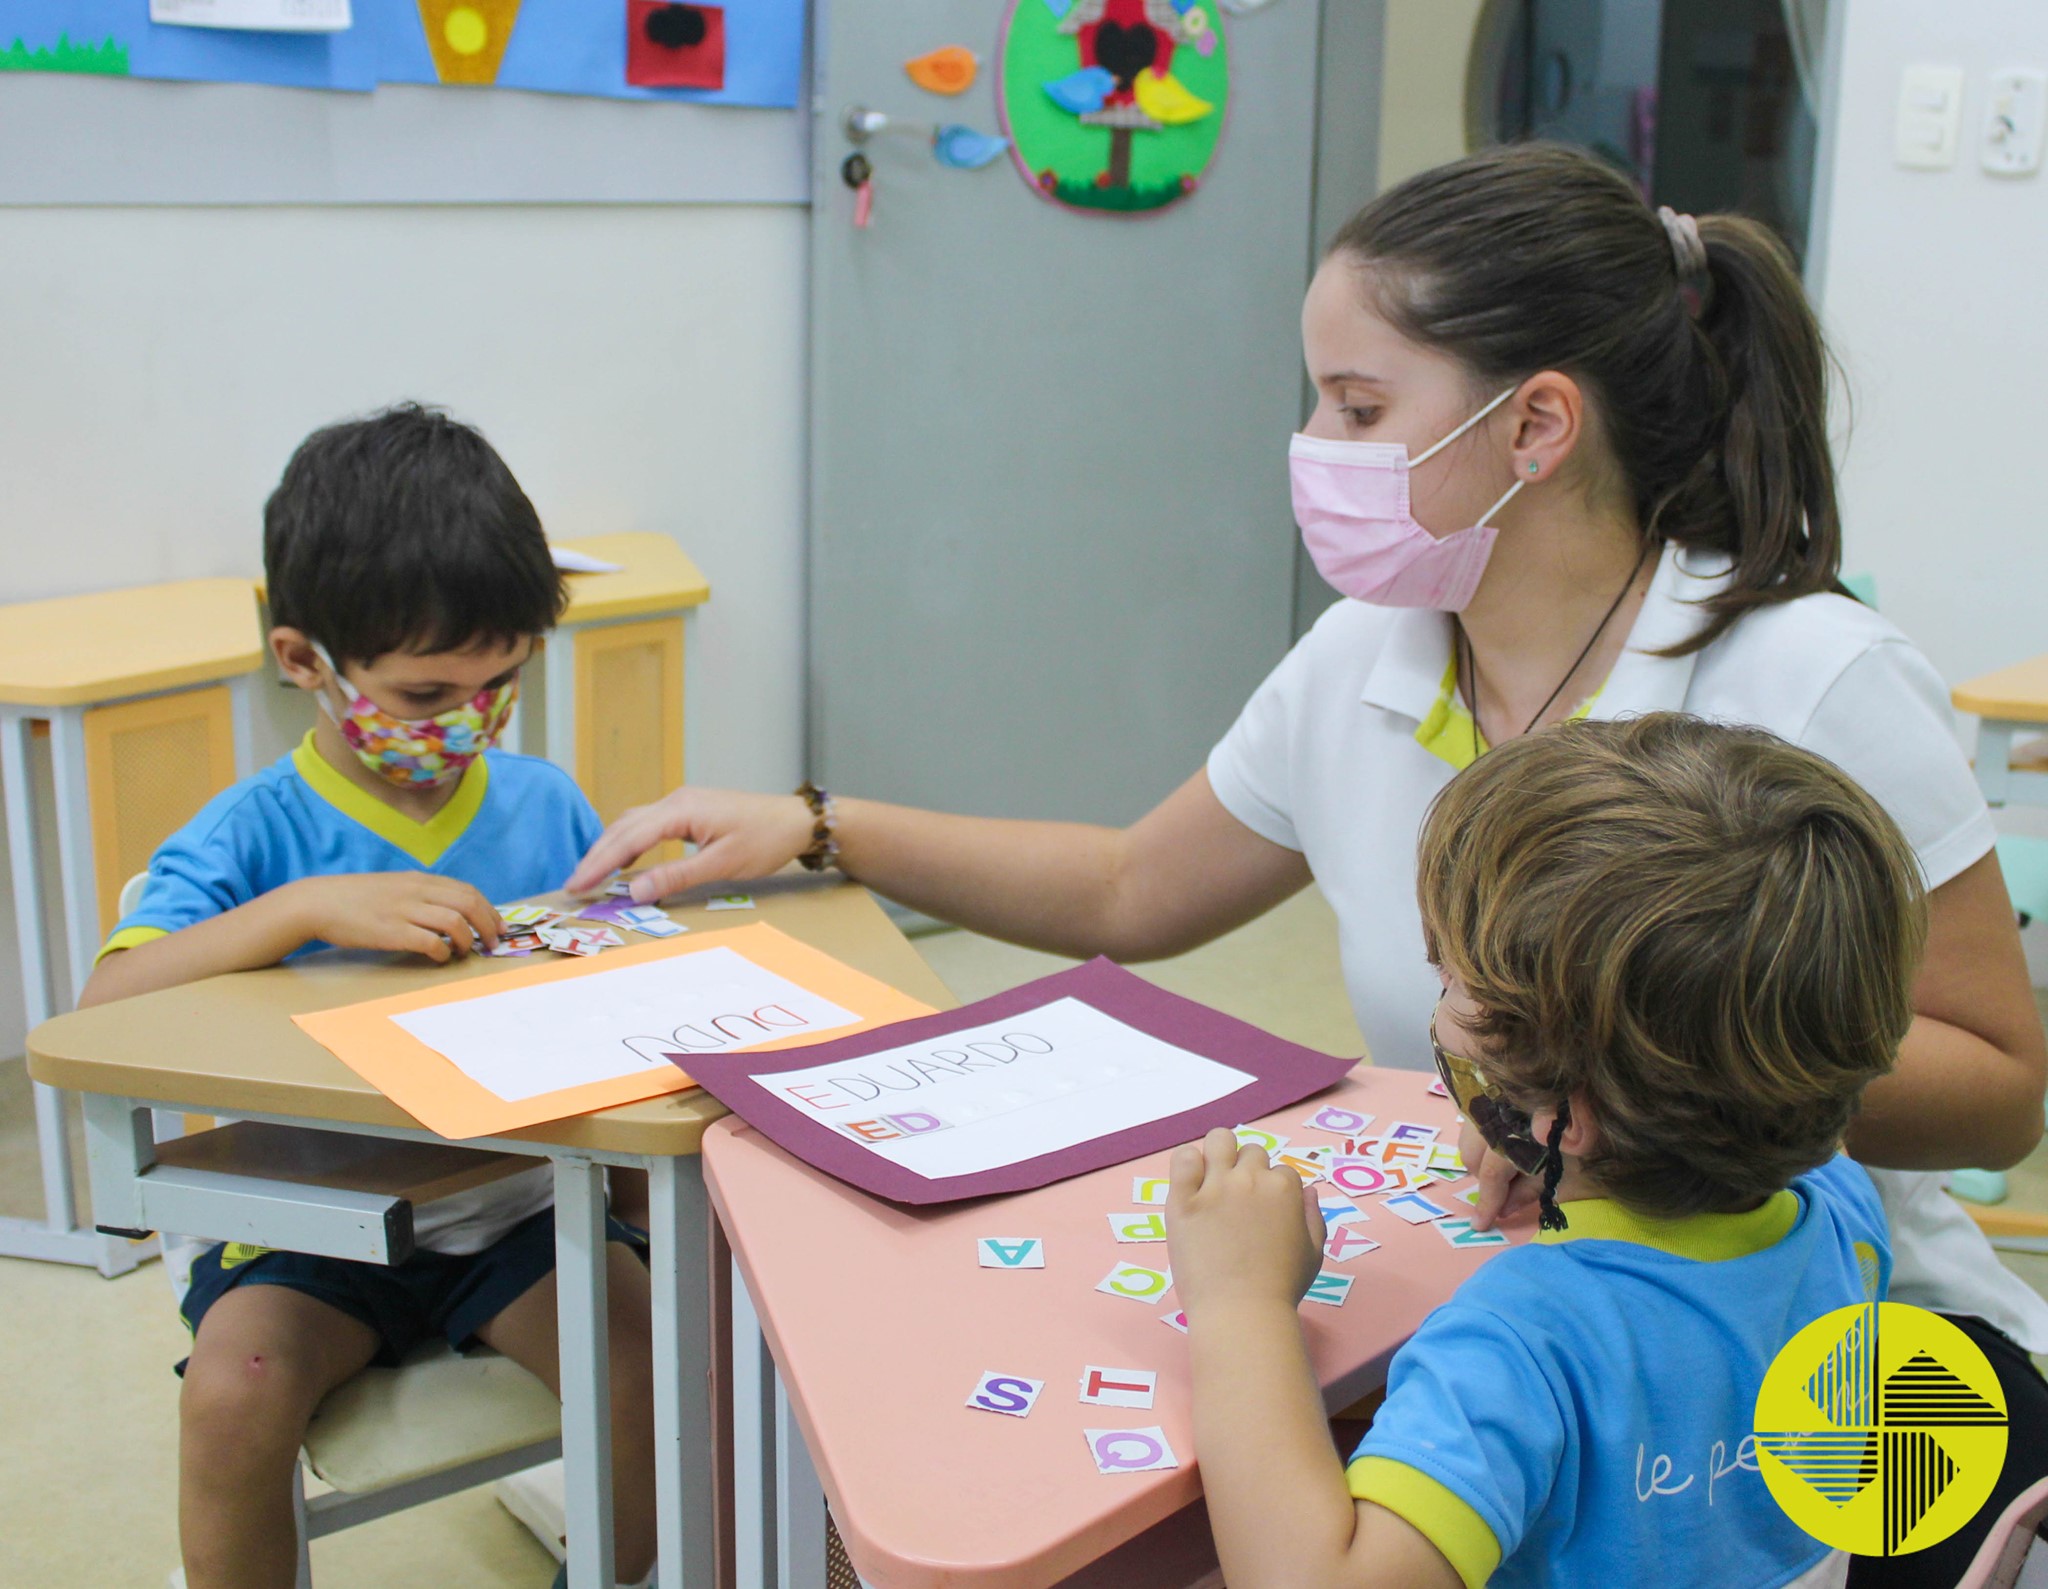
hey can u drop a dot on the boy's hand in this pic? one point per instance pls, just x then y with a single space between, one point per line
416 912
1503 1189
1238 1228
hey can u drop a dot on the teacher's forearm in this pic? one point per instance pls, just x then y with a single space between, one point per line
1954 1100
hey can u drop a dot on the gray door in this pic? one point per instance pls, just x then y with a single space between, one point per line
1051 548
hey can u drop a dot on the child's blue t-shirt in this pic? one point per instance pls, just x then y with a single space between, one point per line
1582 1410
516 825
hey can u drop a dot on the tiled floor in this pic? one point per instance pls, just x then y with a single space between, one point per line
88 1404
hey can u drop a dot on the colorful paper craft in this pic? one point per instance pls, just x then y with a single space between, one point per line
964 148
1445 1160
1009 1394
1469 1196
527 915
1335 1214
948 70
1130 1450
1338 1122
1137 1282
1175 1321
730 902
1360 1178
1308 1169
1346 1243
1118 1387
1329 1289
552 1042
658 926
1254 1137
266 16
1410 1131
1437 1089
1138 1227
1149 1188
613 910
1415 1208
1459 1233
674 46
1078 1071
571 940
1010 1252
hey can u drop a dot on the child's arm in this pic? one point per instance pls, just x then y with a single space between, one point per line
1245 1243
415 912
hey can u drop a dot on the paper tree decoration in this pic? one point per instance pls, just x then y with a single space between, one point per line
468 37
1114 104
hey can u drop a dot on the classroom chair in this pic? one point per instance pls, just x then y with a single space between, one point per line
2002 1558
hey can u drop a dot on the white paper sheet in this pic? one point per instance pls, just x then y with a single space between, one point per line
563 1034
582 562
261 16
986 1096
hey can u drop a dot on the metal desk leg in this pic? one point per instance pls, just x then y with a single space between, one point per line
1994 760
583 1310
680 1272
753 1442
799 1504
57 1237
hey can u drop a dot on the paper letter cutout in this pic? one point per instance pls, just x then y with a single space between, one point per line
1409 1131
1138 1283
1308 1169
1347 1242
1339 1122
1356 1178
1010 1252
1335 1214
1138 1227
1148 1189
1130 1450
1329 1289
1459 1233
1256 1137
1175 1321
1009 1394
1415 1208
1118 1387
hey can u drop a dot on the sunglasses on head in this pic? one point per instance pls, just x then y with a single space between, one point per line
1508 1130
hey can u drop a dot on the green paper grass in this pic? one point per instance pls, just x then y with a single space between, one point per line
106 59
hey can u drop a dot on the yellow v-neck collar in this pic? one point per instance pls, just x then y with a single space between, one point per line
1708 1238
426 842
1447 731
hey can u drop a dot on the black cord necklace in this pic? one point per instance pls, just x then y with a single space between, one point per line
1471 667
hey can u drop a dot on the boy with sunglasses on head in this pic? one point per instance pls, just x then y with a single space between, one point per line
1673 955
408 581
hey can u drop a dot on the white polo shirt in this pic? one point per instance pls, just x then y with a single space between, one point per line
1340 751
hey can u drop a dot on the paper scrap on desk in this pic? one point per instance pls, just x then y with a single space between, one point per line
1149 1189
1308 1169
658 927
730 902
1338 1122
1130 1450
1138 1227
1118 1387
1175 1321
1347 1242
1360 1178
1010 1394
1136 1282
1459 1233
262 16
1012 1089
1329 1289
620 887
1470 1196
477 1056
1411 1131
571 940
1258 1137
1335 1214
1010 1252
527 915
1438 1089
1415 1208
1446 1160
572 562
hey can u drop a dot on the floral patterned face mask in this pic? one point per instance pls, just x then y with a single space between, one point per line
414 752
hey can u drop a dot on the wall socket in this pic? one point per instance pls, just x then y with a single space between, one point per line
2014 122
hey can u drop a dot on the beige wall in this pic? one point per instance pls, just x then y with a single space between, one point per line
1422 100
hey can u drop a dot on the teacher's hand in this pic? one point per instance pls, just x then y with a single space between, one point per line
737 835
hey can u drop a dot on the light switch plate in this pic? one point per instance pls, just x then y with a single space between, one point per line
2014 121
1930 117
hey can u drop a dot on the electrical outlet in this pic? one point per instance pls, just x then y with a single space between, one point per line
1930 117
2014 122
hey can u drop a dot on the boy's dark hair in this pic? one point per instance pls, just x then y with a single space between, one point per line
1708 932
405 532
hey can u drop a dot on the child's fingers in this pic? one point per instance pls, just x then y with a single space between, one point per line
1186 1171
1496 1181
1219 1150
446 923
1312 1208
480 913
412 939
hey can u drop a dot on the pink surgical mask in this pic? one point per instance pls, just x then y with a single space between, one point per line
1351 501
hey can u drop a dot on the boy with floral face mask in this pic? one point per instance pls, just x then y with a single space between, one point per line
408 580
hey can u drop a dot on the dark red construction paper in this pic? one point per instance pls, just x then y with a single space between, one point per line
652 65
1283 1073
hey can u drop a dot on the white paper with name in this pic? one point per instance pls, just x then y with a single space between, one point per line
542 1038
992 1095
257 16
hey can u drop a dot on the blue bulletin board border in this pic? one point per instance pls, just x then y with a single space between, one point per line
574 47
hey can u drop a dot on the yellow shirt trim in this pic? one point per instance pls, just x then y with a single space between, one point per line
1439 1514
1447 731
1706 1237
426 842
128 938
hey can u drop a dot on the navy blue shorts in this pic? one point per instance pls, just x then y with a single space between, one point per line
431 1293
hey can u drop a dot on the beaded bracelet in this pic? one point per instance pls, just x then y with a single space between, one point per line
824 850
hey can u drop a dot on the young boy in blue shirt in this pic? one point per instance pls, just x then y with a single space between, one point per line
1673 955
408 580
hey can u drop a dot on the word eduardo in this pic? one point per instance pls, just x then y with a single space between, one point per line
915 1073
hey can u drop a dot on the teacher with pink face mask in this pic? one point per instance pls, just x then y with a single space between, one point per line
1569 458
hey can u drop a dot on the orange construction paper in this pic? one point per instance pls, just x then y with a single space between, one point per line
945 71
467 38
435 1092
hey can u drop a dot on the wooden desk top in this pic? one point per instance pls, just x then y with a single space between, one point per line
228 1045
658 577
80 650
882 1324
2018 694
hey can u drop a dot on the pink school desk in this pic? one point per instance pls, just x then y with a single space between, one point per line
880 1323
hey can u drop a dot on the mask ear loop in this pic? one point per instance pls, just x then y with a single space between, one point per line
1549 1215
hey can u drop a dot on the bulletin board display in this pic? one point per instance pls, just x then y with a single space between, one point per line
741 52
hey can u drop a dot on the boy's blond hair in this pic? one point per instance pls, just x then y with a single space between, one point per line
1707 932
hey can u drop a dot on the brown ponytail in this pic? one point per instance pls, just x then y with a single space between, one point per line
1712 396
